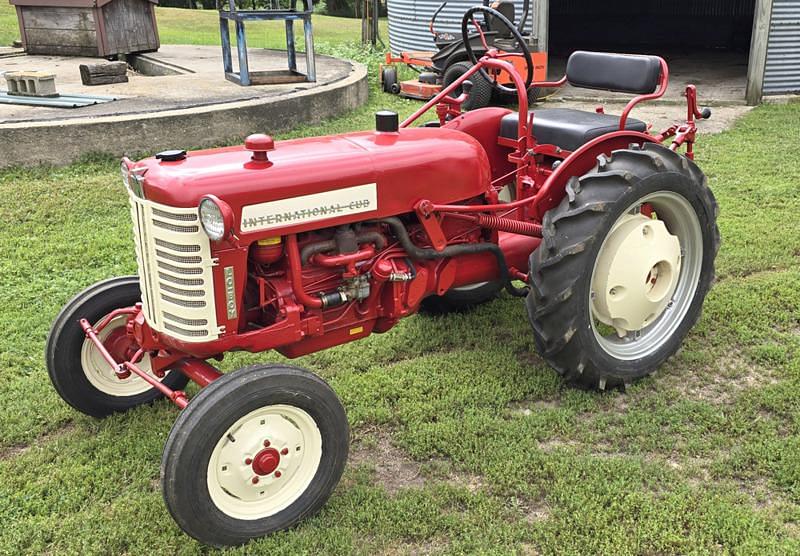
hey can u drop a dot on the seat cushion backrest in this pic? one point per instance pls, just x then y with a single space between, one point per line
621 73
507 9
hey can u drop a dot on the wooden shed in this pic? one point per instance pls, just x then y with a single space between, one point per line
97 28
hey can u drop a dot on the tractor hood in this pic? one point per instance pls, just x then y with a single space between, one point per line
324 181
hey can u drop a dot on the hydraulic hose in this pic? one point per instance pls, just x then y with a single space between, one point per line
416 252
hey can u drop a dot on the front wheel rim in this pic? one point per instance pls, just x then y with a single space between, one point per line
681 221
100 374
264 462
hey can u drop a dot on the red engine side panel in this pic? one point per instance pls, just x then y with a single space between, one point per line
442 165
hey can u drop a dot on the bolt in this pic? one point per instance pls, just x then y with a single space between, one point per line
266 444
248 461
284 451
613 291
277 474
254 480
592 295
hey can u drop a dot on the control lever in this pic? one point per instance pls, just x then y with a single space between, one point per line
706 113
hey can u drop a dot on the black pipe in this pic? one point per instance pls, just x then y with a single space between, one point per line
329 245
415 252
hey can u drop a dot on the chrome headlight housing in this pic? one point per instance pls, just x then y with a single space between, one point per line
132 178
216 217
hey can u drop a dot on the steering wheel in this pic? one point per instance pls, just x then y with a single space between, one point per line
526 53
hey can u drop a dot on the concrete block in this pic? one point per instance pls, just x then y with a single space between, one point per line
31 83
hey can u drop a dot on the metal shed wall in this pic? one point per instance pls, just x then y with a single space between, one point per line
782 70
409 19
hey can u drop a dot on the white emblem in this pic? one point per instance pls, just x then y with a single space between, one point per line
310 208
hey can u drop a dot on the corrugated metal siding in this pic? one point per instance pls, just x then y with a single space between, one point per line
409 20
782 72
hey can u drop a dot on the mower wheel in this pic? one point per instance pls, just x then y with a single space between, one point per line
255 452
625 263
389 80
461 299
481 94
77 370
534 94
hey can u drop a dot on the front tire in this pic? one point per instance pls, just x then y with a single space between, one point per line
255 452
625 263
77 370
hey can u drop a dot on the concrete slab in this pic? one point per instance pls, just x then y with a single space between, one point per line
196 107
201 83
721 79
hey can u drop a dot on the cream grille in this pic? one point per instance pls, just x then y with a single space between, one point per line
175 271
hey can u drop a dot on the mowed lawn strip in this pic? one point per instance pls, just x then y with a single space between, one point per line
463 439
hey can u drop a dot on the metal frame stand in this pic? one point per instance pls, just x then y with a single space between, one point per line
245 77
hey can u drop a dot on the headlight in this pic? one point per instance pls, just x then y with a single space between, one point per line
133 178
216 217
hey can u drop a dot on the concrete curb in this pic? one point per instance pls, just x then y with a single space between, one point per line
60 142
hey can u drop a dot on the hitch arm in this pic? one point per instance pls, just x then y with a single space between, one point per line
124 370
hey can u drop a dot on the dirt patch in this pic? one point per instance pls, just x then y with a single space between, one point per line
723 380
394 470
527 408
431 546
17 450
534 511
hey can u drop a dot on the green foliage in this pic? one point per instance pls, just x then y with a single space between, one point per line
701 458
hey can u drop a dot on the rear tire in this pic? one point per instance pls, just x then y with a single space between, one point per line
481 94
562 304
80 376
255 452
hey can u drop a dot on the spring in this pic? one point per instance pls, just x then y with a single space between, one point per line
508 225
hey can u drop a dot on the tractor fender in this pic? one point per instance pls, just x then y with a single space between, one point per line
579 162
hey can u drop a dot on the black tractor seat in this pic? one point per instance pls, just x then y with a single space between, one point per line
567 128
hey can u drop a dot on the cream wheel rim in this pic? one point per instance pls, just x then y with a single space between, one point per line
645 276
264 462
100 374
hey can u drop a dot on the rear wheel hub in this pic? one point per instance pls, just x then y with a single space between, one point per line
636 274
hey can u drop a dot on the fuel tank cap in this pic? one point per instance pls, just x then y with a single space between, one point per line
386 121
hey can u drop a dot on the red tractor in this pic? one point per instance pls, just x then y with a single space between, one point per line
301 245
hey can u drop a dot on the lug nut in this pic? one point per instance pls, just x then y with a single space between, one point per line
266 444
248 461
277 474
254 480
284 451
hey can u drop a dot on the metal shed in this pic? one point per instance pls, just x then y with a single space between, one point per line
757 41
409 21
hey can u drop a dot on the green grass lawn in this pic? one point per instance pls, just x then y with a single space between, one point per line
463 439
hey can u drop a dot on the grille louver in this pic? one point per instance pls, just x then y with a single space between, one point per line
175 265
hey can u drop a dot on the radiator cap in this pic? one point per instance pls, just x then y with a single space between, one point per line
386 121
171 156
